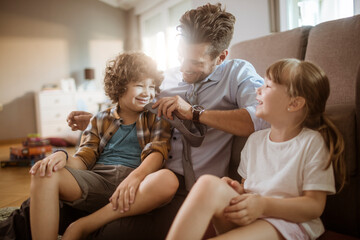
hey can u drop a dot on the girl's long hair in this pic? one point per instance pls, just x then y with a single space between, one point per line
304 79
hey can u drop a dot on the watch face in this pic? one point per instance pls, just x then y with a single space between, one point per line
197 108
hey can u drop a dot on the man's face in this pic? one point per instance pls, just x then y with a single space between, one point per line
196 63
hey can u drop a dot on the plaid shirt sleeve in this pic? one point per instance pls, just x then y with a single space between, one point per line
95 137
154 135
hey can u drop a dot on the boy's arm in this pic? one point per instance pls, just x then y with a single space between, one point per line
125 193
246 208
88 151
54 163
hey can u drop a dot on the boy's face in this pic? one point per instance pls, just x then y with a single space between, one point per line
196 63
137 95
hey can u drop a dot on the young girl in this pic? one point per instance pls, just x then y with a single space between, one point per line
287 170
120 157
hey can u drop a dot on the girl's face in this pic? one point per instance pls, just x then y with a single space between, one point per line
273 101
137 95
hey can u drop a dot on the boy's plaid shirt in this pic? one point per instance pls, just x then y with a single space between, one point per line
153 134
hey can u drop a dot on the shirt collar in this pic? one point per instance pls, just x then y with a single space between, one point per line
114 112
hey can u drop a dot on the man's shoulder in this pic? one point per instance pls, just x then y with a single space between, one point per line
236 66
237 63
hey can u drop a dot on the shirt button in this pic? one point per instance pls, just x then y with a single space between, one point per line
170 157
174 138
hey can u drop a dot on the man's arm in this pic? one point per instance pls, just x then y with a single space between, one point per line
237 122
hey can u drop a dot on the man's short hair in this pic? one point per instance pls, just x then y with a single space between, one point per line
208 24
126 68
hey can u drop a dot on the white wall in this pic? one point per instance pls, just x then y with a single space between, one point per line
43 41
252 17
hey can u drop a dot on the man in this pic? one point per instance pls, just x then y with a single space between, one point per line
214 92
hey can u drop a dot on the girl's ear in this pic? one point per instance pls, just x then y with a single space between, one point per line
296 104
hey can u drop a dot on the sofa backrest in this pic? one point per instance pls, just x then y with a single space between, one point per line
335 47
263 51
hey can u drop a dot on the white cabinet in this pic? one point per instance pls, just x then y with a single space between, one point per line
52 108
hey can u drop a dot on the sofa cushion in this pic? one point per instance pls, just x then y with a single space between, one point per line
263 51
344 118
335 47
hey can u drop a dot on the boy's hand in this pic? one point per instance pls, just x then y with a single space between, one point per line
244 209
177 105
78 120
52 163
125 193
239 188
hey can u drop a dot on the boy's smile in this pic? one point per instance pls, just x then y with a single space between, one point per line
137 95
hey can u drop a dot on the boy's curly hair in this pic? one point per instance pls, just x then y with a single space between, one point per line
208 24
126 68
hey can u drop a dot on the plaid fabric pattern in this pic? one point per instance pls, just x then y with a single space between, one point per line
153 134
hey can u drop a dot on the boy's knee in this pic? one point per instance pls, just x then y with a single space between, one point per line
37 180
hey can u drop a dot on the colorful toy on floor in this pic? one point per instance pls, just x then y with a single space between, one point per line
31 150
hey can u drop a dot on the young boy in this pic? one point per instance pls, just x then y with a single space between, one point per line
119 159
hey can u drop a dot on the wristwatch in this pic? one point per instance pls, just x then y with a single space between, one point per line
197 110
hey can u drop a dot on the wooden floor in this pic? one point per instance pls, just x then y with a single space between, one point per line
14 181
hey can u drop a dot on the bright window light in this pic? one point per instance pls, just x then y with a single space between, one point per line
312 12
159 35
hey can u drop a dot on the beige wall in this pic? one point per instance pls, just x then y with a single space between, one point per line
43 41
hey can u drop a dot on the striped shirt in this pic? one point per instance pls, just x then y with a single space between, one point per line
153 134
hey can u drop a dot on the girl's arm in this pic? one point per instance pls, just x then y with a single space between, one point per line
246 208
125 193
299 209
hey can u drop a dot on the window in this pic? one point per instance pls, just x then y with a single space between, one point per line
158 32
297 13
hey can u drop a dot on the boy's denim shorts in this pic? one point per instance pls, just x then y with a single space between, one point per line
97 185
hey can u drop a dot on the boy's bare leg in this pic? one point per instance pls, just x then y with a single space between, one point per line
44 202
157 189
208 198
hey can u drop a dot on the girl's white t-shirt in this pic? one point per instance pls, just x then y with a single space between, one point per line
286 169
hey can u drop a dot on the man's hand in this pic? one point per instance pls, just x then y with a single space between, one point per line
245 209
177 105
52 163
78 120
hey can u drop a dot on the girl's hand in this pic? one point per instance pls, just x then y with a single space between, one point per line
52 163
245 209
239 188
125 193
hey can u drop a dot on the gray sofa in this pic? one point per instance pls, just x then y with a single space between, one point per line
335 47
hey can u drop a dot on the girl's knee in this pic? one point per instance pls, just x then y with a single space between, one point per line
208 182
